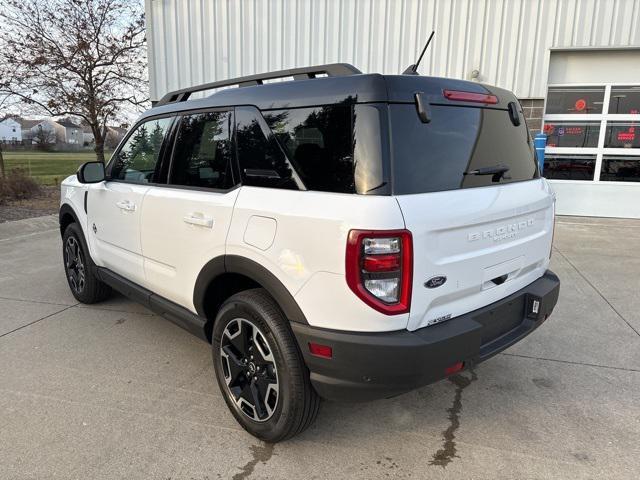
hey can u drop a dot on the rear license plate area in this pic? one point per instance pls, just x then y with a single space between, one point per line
502 319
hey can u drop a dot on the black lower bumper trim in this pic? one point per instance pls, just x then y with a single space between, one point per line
368 366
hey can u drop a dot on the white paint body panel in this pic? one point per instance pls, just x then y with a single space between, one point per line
308 252
116 212
260 232
72 193
301 237
174 249
472 236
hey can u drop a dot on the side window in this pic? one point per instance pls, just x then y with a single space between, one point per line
137 160
203 151
319 142
262 162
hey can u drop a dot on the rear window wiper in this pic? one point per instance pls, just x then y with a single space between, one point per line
498 172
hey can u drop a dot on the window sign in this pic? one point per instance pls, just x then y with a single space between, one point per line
622 135
603 145
572 134
569 167
574 100
620 168
625 100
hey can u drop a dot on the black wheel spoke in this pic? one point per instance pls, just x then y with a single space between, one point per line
249 369
74 264
241 341
236 368
258 400
71 258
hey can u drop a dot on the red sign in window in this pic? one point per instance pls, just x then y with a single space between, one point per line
628 136
581 104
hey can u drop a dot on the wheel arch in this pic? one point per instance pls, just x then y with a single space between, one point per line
67 216
227 275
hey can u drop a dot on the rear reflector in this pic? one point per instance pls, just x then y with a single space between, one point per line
455 368
459 96
324 351
382 263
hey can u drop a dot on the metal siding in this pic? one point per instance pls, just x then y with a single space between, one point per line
507 41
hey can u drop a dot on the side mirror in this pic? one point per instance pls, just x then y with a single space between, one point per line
91 172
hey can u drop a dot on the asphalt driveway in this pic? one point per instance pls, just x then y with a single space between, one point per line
113 391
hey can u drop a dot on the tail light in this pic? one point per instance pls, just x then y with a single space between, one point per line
459 96
379 268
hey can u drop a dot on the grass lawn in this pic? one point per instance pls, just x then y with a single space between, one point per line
48 168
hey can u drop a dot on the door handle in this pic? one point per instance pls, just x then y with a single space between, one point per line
199 219
126 205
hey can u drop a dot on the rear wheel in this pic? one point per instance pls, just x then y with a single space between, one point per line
80 269
259 368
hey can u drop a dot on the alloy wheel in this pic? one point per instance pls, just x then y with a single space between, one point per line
74 264
249 369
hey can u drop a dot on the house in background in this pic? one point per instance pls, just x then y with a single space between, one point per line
73 134
115 136
10 130
59 133
43 132
112 139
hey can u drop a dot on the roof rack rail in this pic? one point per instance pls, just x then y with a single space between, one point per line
331 70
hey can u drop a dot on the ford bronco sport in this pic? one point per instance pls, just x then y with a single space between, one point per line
340 235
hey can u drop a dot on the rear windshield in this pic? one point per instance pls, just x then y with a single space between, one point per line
452 150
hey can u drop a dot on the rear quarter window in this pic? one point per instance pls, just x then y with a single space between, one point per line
336 148
319 142
433 157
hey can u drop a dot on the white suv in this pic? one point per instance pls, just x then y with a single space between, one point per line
341 235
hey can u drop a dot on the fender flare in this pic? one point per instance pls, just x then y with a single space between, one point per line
67 209
250 269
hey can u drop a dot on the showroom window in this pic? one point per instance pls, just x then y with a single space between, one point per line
593 133
569 167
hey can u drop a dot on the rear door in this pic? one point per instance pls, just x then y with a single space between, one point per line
481 218
185 223
114 205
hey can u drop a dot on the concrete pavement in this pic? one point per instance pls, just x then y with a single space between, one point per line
112 391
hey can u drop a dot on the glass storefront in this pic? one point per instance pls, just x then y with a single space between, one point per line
616 168
572 134
625 100
593 133
569 167
575 100
622 135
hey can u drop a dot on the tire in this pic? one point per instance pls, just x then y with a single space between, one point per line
80 269
250 324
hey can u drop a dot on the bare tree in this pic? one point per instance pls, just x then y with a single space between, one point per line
44 138
85 58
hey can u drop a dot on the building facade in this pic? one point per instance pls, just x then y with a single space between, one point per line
10 131
574 64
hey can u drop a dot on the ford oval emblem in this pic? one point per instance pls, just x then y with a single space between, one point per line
435 282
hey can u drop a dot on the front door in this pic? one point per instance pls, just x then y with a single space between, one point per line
185 224
114 206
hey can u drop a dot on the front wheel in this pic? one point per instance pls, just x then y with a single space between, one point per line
80 269
259 368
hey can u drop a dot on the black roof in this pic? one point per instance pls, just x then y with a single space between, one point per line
351 87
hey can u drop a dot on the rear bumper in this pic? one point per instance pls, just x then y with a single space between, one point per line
368 366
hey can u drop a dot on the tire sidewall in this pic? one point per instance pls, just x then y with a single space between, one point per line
279 423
